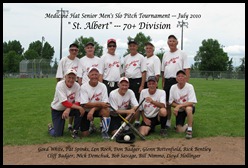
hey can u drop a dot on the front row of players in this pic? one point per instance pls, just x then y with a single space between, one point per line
91 100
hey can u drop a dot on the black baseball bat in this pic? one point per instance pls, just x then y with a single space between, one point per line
124 124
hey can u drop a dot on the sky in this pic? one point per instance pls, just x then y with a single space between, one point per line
191 23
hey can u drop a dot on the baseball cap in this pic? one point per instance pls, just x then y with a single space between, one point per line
181 71
123 79
93 68
152 78
111 40
71 71
149 43
132 42
172 36
89 43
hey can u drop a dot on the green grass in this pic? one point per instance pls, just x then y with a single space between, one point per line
220 111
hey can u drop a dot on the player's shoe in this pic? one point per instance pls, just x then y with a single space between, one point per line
188 135
105 135
49 126
163 133
70 129
74 134
92 128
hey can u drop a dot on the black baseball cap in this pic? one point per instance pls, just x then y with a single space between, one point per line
132 42
181 71
172 36
152 78
89 43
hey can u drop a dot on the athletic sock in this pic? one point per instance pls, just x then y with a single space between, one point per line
189 129
105 124
168 123
163 122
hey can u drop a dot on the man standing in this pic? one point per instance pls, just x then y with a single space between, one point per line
111 66
153 63
172 61
135 70
88 61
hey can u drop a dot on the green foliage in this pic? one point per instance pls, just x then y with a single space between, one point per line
220 111
211 57
11 62
31 54
141 39
82 41
45 52
13 46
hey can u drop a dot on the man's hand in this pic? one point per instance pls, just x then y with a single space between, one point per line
90 114
66 113
82 111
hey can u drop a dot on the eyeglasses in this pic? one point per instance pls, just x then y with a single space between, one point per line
76 50
111 46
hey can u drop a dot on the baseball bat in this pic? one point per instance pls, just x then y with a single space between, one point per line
124 123
132 127
119 129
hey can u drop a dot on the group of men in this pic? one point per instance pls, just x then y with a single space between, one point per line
88 86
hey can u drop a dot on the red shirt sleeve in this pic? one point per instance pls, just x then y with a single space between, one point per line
67 104
77 103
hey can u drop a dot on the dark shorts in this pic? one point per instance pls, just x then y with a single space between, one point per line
181 116
134 86
109 86
154 122
59 123
167 85
115 123
85 123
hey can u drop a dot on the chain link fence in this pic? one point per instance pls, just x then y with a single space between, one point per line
36 68
217 74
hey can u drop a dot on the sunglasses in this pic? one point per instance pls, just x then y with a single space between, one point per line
76 50
111 45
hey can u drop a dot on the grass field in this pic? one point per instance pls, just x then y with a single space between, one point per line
220 111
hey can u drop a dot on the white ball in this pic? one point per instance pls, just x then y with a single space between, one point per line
127 138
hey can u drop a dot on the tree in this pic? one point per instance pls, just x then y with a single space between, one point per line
211 57
242 66
11 62
141 39
12 55
13 46
31 54
81 41
230 65
45 52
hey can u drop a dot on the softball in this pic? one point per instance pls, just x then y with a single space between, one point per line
127 138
